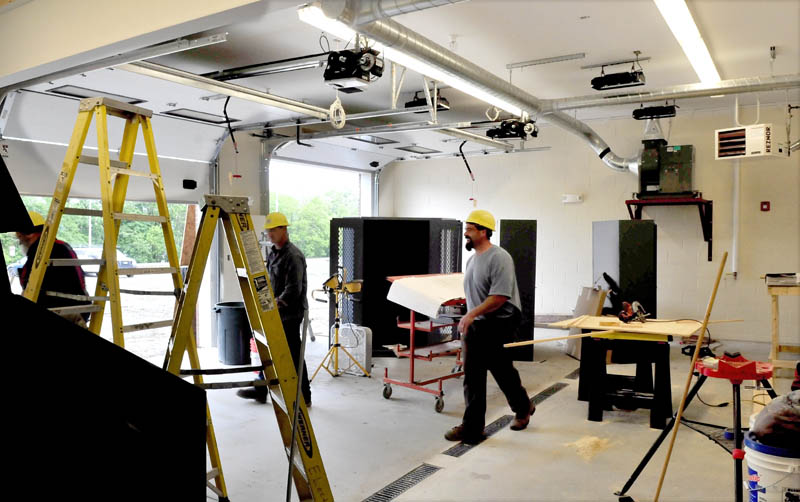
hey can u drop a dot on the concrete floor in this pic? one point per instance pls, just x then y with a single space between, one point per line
367 442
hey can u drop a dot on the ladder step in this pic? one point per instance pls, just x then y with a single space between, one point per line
147 325
297 461
142 271
149 293
231 385
131 172
82 212
80 298
71 262
222 371
95 161
139 217
113 107
76 309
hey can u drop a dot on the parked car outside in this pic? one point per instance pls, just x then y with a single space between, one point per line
123 261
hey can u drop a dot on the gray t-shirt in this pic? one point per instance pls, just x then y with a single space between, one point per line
492 273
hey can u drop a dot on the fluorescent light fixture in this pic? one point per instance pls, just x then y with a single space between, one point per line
315 17
680 21
417 149
74 91
197 115
373 140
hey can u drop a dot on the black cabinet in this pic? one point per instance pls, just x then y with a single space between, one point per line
373 249
518 237
626 251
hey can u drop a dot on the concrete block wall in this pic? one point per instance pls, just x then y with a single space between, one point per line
530 185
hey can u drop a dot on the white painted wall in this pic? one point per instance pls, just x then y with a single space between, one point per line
529 185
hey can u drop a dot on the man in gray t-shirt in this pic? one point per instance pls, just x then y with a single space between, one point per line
493 315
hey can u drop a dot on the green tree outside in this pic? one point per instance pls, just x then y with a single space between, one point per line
310 219
141 240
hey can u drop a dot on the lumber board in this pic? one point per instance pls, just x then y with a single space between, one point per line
654 327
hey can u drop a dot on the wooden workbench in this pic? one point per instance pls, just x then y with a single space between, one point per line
776 348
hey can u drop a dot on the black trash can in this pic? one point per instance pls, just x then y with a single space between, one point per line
233 333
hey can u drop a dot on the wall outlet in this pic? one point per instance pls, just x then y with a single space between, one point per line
765 205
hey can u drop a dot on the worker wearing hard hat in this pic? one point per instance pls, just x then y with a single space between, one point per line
57 280
493 316
286 265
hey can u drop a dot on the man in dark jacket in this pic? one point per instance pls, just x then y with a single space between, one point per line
286 265
57 280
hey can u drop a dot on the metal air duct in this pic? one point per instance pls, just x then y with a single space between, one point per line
393 34
366 11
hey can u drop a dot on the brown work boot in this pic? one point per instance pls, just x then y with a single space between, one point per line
459 433
521 422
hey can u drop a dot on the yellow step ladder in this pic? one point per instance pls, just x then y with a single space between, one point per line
114 178
307 469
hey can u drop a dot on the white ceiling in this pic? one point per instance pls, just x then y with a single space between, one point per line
490 33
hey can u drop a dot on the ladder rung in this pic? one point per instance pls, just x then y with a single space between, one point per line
76 309
139 217
113 107
297 461
142 271
150 293
147 325
95 161
213 473
80 298
82 212
71 262
231 385
131 172
222 371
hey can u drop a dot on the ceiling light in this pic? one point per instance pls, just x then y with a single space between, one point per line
679 20
315 17
373 140
197 115
618 80
417 149
81 92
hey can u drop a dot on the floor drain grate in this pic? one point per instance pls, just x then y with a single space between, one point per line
573 375
397 487
538 398
502 422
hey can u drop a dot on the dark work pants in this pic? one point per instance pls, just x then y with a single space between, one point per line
294 338
483 350
291 327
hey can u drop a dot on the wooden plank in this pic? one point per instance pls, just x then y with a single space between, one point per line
784 290
655 326
773 350
782 363
76 309
793 349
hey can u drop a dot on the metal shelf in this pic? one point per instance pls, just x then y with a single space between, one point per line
704 207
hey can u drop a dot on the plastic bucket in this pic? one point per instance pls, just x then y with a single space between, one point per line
773 474
233 333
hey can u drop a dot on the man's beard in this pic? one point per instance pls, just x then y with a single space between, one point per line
469 245
24 246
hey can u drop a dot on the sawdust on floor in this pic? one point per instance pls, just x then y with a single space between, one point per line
589 446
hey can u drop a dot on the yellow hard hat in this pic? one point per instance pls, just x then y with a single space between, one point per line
275 220
36 218
482 218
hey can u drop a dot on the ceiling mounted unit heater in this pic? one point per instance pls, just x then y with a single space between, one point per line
747 141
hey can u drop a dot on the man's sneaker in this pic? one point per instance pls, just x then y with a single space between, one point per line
253 393
458 433
520 423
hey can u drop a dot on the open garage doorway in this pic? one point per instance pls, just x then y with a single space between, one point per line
310 197
140 244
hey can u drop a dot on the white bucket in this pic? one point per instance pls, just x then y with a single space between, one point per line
773 474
